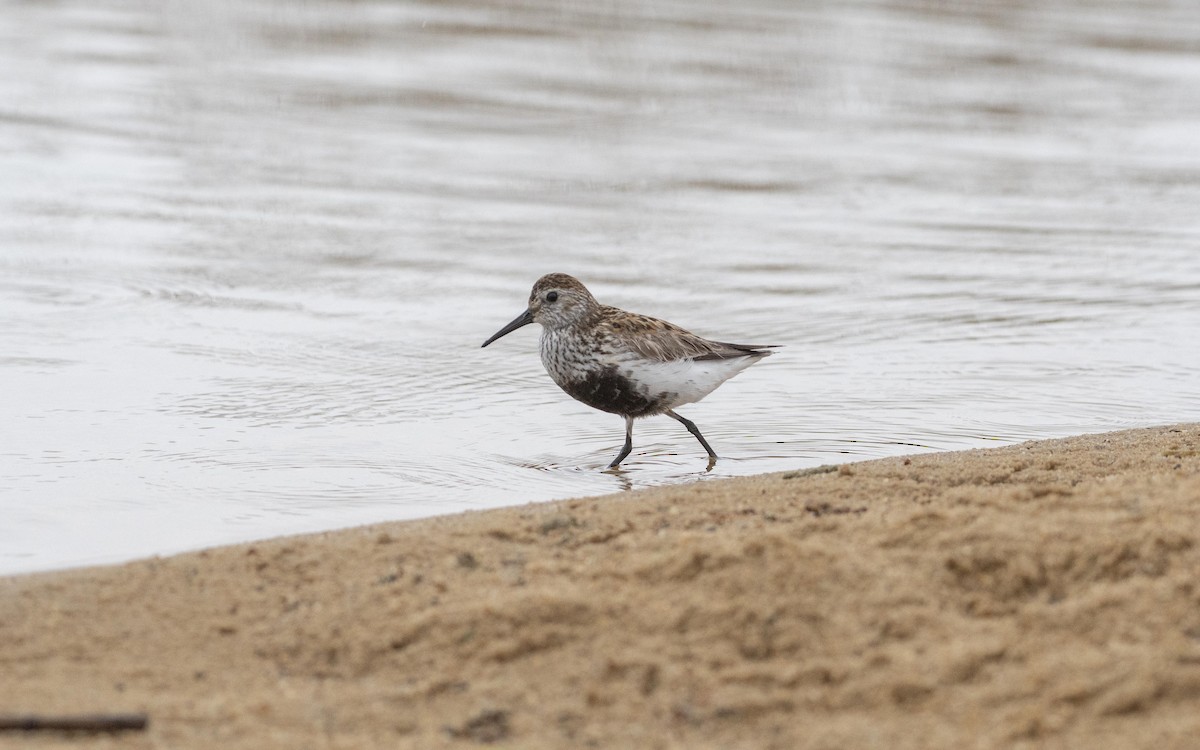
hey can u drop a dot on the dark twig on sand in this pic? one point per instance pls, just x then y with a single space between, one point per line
78 723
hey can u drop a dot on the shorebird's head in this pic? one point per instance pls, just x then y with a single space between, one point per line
557 301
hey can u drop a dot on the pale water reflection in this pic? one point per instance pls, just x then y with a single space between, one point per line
248 250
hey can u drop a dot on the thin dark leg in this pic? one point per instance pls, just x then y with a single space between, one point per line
691 427
628 444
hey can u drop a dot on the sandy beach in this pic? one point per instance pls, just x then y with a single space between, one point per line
1036 595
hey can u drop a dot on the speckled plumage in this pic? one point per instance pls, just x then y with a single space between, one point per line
624 363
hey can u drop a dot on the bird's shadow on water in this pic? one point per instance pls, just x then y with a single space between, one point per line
628 475
637 471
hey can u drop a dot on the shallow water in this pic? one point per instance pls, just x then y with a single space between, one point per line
248 251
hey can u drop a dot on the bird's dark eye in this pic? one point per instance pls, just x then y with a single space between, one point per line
552 297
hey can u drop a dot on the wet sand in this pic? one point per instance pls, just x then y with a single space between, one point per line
1036 595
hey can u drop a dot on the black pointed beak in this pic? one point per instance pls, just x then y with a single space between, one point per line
523 319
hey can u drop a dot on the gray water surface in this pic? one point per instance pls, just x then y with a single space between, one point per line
248 250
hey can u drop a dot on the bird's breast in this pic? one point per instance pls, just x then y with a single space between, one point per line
568 358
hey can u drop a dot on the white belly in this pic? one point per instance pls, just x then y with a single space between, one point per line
682 381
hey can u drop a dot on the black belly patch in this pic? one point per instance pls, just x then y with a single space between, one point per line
609 391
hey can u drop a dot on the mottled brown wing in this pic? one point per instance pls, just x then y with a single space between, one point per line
666 342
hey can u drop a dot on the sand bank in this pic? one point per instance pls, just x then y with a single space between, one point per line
1043 594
